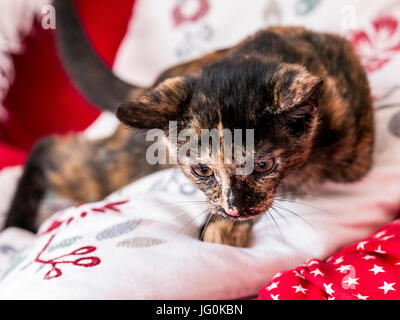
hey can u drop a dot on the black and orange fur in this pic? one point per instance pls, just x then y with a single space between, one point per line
304 93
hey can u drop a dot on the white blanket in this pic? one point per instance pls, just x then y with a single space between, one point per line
142 242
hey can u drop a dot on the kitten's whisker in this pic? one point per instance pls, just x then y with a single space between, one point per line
299 216
282 217
205 227
187 224
305 194
387 106
188 201
307 205
177 203
182 229
289 223
277 226
387 94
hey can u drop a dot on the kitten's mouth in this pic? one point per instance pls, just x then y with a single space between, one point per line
246 216
241 216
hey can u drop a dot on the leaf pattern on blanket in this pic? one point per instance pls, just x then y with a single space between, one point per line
141 242
304 7
64 243
394 125
13 264
7 249
118 229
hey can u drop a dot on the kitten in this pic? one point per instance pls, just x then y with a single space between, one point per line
305 95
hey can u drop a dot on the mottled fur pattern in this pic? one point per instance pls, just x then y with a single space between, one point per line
305 94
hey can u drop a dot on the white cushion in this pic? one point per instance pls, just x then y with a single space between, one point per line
148 247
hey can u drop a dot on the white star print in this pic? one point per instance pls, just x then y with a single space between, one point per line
338 260
273 285
331 298
275 297
328 288
379 250
376 269
344 268
299 288
387 286
297 274
360 245
380 234
350 281
388 237
277 275
317 272
312 262
368 257
361 297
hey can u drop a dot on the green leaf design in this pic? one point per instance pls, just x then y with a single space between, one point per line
304 7
64 243
141 242
13 264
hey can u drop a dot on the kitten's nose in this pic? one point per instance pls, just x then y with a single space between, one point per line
233 213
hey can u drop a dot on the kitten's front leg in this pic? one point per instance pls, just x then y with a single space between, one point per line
226 231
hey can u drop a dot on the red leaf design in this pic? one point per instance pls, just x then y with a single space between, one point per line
180 17
377 45
386 24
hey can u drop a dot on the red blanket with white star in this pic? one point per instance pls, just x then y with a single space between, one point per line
366 270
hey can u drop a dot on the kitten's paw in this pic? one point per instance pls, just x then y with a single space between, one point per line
228 233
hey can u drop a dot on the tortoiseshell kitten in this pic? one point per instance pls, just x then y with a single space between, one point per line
305 94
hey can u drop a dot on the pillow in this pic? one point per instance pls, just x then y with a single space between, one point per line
142 241
366 270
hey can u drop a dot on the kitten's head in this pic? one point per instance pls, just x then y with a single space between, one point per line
278 101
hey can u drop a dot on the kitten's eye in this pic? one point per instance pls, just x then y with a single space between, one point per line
264 166
202 171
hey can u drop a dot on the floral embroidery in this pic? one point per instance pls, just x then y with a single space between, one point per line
140 242
111 206
117 230
378 44
64 243
180 16
55 271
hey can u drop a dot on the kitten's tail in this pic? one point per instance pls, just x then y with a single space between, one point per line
87 71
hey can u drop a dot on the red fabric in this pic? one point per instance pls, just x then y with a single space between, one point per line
10 155
366 270
42 99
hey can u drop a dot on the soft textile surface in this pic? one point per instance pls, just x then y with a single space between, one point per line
142 242
366 270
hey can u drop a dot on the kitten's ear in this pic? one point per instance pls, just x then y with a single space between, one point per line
298 100
309 102
297 89
159 105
